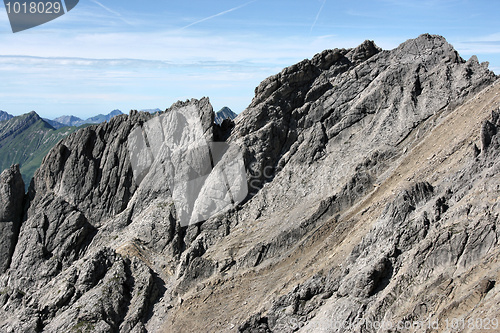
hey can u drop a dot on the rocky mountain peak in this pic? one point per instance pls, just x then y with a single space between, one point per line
205 113
365 170
31 117
365 50
429 50
223 114
17 125
307 105
5 116
115 112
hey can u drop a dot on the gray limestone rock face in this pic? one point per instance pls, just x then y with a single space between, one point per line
83 195
372 191
359 99
11 195
426 240
90 170
49 242
11 213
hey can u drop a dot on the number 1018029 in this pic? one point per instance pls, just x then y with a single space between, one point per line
33 7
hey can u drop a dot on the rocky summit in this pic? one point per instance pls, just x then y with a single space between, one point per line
358 192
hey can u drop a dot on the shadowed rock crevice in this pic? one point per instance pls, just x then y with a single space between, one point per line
489 130
11 213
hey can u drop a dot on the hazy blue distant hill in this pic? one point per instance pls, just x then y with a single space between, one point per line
224 113
75 121
69 120
5 116
54 123
101 117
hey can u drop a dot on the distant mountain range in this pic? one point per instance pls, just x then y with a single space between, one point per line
224 113
26 139
75 121
70 120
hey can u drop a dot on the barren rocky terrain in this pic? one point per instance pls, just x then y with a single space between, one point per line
372 206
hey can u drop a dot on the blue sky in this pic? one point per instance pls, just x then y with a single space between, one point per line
105 55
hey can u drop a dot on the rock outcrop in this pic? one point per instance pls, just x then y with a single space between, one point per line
11 211
372 198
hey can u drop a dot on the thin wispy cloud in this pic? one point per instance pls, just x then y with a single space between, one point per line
84 52
217 15
33 63
317 16
488 44
109 10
